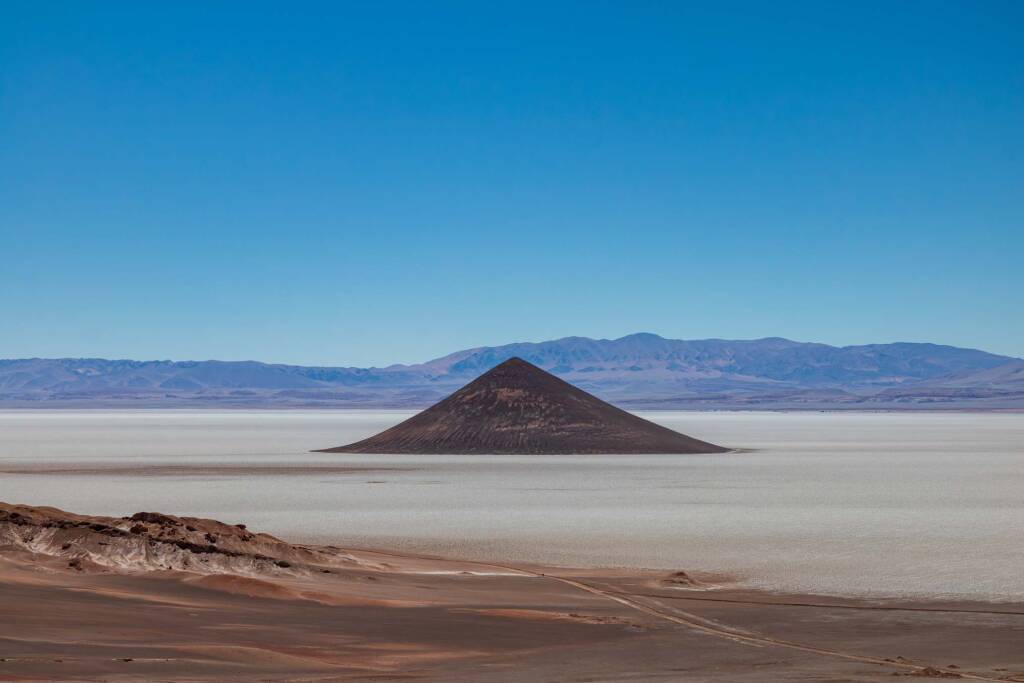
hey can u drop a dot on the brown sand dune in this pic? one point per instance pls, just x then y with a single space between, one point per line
342 615
517 408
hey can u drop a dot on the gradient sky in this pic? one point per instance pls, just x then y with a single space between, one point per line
388 182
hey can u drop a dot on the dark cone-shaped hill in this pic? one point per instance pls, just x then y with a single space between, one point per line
518 408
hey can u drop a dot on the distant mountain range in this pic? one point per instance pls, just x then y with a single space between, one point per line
636 371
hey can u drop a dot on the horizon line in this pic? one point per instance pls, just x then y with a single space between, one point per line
475 349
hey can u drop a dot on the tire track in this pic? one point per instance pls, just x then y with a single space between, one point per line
824 605
698 623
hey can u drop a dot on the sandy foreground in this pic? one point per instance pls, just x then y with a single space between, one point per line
159 598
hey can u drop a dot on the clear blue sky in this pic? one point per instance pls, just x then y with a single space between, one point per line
387 182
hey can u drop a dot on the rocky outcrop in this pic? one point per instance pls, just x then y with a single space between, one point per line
149 541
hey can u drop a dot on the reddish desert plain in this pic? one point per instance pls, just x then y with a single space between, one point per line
151 597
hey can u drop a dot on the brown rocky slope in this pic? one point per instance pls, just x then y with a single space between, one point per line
153 541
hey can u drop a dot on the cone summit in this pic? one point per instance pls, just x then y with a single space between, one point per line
517 408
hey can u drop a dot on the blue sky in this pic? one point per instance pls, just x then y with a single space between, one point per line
387 182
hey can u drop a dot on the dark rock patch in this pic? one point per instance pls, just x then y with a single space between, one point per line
155 518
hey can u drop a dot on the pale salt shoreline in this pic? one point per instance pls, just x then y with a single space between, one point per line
835 503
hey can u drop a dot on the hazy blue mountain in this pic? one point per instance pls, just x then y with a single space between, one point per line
637 370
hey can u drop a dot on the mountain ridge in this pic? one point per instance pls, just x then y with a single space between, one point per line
638 370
